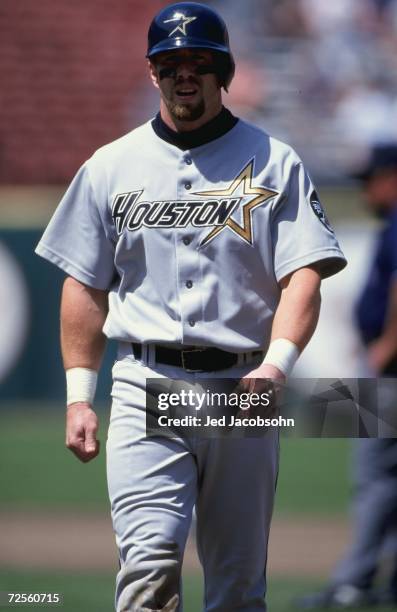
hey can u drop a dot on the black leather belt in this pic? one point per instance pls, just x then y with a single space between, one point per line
194 359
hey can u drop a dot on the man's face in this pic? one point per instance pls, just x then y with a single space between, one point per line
188 84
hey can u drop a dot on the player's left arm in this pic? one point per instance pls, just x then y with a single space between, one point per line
296 316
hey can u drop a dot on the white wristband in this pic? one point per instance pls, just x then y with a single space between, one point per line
80 385
282 354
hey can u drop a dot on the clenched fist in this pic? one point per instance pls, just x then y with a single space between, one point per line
81 429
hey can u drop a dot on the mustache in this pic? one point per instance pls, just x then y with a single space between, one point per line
171 73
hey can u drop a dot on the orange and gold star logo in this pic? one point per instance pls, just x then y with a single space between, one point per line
242 183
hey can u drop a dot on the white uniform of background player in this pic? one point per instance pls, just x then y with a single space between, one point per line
195 229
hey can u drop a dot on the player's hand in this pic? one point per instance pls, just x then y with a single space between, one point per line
81 429
254 380
261 380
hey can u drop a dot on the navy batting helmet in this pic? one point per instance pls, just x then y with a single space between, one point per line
192 25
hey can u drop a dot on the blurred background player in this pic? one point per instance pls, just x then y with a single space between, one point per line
375 460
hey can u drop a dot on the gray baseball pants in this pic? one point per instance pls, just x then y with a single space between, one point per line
153 485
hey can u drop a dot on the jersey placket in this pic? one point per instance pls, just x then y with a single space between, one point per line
187 258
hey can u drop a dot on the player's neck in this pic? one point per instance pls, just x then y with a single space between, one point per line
187 126
213 129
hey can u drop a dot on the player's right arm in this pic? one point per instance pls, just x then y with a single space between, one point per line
83 314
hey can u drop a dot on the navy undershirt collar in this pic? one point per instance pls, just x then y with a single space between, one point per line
218 126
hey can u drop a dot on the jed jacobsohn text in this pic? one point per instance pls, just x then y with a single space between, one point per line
195 400
191 400
232 421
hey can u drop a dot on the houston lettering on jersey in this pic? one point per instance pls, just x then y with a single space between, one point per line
214 210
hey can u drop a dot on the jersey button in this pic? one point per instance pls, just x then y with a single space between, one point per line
188 160
186 240
189 284
192 322
188 186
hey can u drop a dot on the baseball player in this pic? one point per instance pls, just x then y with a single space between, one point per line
198 242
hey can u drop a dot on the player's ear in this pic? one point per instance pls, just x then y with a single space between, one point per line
153 74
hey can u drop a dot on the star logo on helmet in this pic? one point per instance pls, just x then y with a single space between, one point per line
182 26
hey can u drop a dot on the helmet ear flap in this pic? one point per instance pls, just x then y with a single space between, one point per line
225 68
230 70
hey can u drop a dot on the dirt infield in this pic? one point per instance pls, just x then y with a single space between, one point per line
298 547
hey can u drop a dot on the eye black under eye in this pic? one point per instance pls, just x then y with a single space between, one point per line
167 72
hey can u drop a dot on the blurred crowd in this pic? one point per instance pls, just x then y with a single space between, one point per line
321 75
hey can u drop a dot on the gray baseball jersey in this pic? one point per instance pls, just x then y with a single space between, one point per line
191 244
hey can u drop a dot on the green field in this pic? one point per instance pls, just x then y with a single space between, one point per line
94 592
38 471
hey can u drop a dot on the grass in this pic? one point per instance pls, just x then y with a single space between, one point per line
314 477
94 592
283 592
38 471
84 592
80 592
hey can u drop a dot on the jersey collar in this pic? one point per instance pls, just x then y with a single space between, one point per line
217 127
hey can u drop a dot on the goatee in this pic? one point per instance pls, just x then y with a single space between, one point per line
186 112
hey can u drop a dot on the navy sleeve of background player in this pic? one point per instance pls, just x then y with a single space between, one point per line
301 232
76 240
390 245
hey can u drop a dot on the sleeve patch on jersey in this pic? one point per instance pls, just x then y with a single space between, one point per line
319 211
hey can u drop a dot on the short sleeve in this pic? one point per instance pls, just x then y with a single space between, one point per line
301 232
76 240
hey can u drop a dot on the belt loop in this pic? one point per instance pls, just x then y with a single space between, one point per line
144 354
248 357
133 351
240 359
150 355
